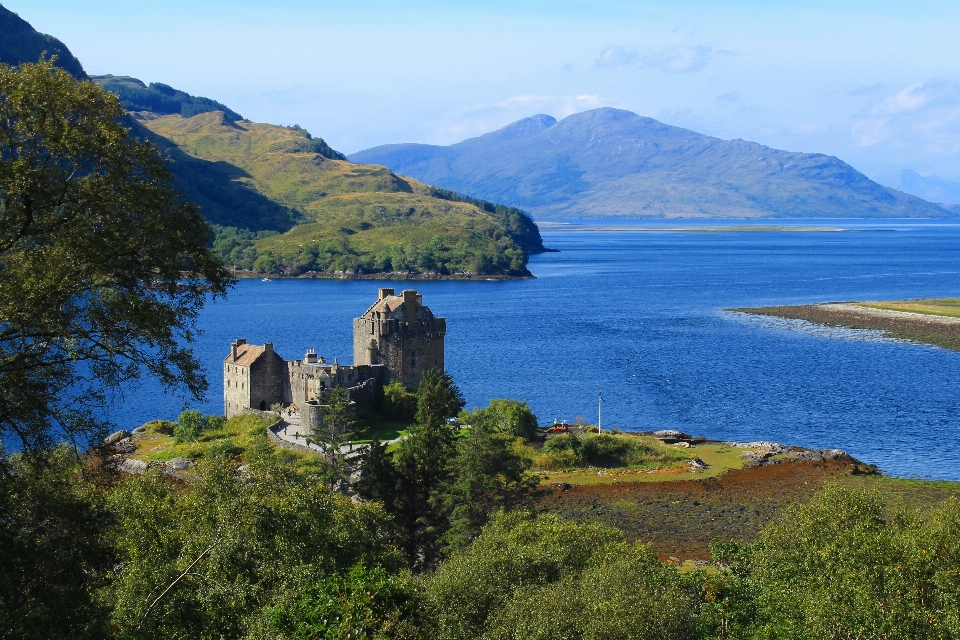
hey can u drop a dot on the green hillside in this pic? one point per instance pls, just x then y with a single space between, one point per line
20 42
281 201
159 98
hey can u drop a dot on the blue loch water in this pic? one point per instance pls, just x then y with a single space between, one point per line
639 312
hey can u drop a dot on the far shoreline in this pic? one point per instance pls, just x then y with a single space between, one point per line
915 320
241 274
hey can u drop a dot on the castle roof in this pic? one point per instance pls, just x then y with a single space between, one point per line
392 305
383 305
246 354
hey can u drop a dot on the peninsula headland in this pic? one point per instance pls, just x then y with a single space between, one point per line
929 321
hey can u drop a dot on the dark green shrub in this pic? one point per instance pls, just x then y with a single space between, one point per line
604 450
363 603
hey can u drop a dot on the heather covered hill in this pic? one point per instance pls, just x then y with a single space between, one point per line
283 200
20 42
614 163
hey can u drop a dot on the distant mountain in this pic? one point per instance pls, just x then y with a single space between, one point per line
614 163
931 188
20 42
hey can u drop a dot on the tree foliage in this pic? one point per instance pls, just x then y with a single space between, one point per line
510 417
103 266
211 561
487 473
54 553
438 398
546 578
332 435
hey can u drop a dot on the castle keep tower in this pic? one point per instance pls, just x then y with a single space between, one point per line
254 377
401 333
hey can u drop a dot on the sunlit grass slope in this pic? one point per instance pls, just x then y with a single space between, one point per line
346 217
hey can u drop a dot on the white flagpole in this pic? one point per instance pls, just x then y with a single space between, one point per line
599 410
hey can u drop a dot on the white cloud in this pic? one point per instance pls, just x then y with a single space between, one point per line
910 99
923 117
868 90
678 59
615 57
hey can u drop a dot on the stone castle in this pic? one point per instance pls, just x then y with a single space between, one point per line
397 338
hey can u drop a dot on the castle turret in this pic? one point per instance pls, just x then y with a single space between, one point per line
401 333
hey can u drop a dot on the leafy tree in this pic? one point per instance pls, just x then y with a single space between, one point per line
360 604
487 473
845 565
54 552
190 425
333 434
103 266
422 470
511 417
378 476
398 403
552 578
438 398
214 559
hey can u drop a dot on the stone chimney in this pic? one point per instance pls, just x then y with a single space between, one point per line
236 344
410 305
384 293
311 357
267 347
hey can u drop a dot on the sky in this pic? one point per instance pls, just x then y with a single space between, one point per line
875 83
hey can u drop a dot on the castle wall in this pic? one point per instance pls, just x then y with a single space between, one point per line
311 381
268 380
236 389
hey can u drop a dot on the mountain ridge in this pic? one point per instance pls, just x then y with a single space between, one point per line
931 188
20 42
614 163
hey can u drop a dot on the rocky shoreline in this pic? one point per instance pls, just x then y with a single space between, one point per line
760 453
392 275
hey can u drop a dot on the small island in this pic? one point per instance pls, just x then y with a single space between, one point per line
929 321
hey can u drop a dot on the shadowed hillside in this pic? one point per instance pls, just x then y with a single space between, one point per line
614 163
20 42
